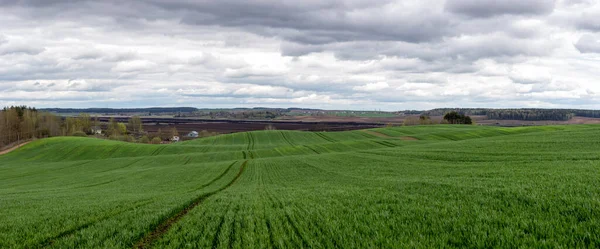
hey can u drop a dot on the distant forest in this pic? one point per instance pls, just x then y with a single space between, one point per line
520 114
122 110
273 113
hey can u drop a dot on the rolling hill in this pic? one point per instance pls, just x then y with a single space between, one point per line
416 187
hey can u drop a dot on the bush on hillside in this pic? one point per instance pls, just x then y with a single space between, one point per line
144 140
79 134
457 118
156 140
128 138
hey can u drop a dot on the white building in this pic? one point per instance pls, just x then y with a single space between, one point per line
96 130
193 134
175 139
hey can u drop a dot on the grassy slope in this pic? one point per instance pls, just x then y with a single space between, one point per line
457 186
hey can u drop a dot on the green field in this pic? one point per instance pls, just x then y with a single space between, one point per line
403 187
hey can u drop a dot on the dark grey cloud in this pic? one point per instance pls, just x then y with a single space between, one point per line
319 22
490 8
16 48
588 20
308 22
460 49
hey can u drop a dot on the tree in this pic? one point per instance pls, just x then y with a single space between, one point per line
156 140
113 128
144 140
468 120
135 124
425 120
163 135
122 128
85 123
408 121
95 122
71 125
79 134
22 123
128 138
457 118
174 132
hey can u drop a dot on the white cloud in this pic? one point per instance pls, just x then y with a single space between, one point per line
341 54
372 87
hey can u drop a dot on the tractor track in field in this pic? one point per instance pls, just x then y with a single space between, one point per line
158 151
323 136
189 158
250 141
166 224
218 177
381 135
232 233
215 242
313 150
293 225
70 232
285 138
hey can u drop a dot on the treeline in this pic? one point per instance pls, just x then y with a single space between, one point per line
531 114
240 115
465 111
587 113
520 114
21 123
18 123
151 110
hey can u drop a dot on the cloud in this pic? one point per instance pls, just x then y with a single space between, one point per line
372 87
588 19
528 74
490 8
133 66
339 54
14 48
588 44
257 71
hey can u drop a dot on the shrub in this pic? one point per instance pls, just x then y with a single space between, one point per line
144 140
457 118
128 138
79 134
156 140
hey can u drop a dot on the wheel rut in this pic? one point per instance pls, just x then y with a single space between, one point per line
49 242
379 134
148 240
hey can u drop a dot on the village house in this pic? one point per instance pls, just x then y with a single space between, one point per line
193 134
96 130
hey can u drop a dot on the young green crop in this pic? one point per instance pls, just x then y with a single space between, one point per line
455 186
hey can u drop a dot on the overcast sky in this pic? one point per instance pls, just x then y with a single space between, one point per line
353 54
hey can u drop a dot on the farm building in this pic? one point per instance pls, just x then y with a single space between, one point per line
96 130
193 134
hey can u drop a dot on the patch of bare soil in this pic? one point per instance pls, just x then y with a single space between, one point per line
3 152
394 120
